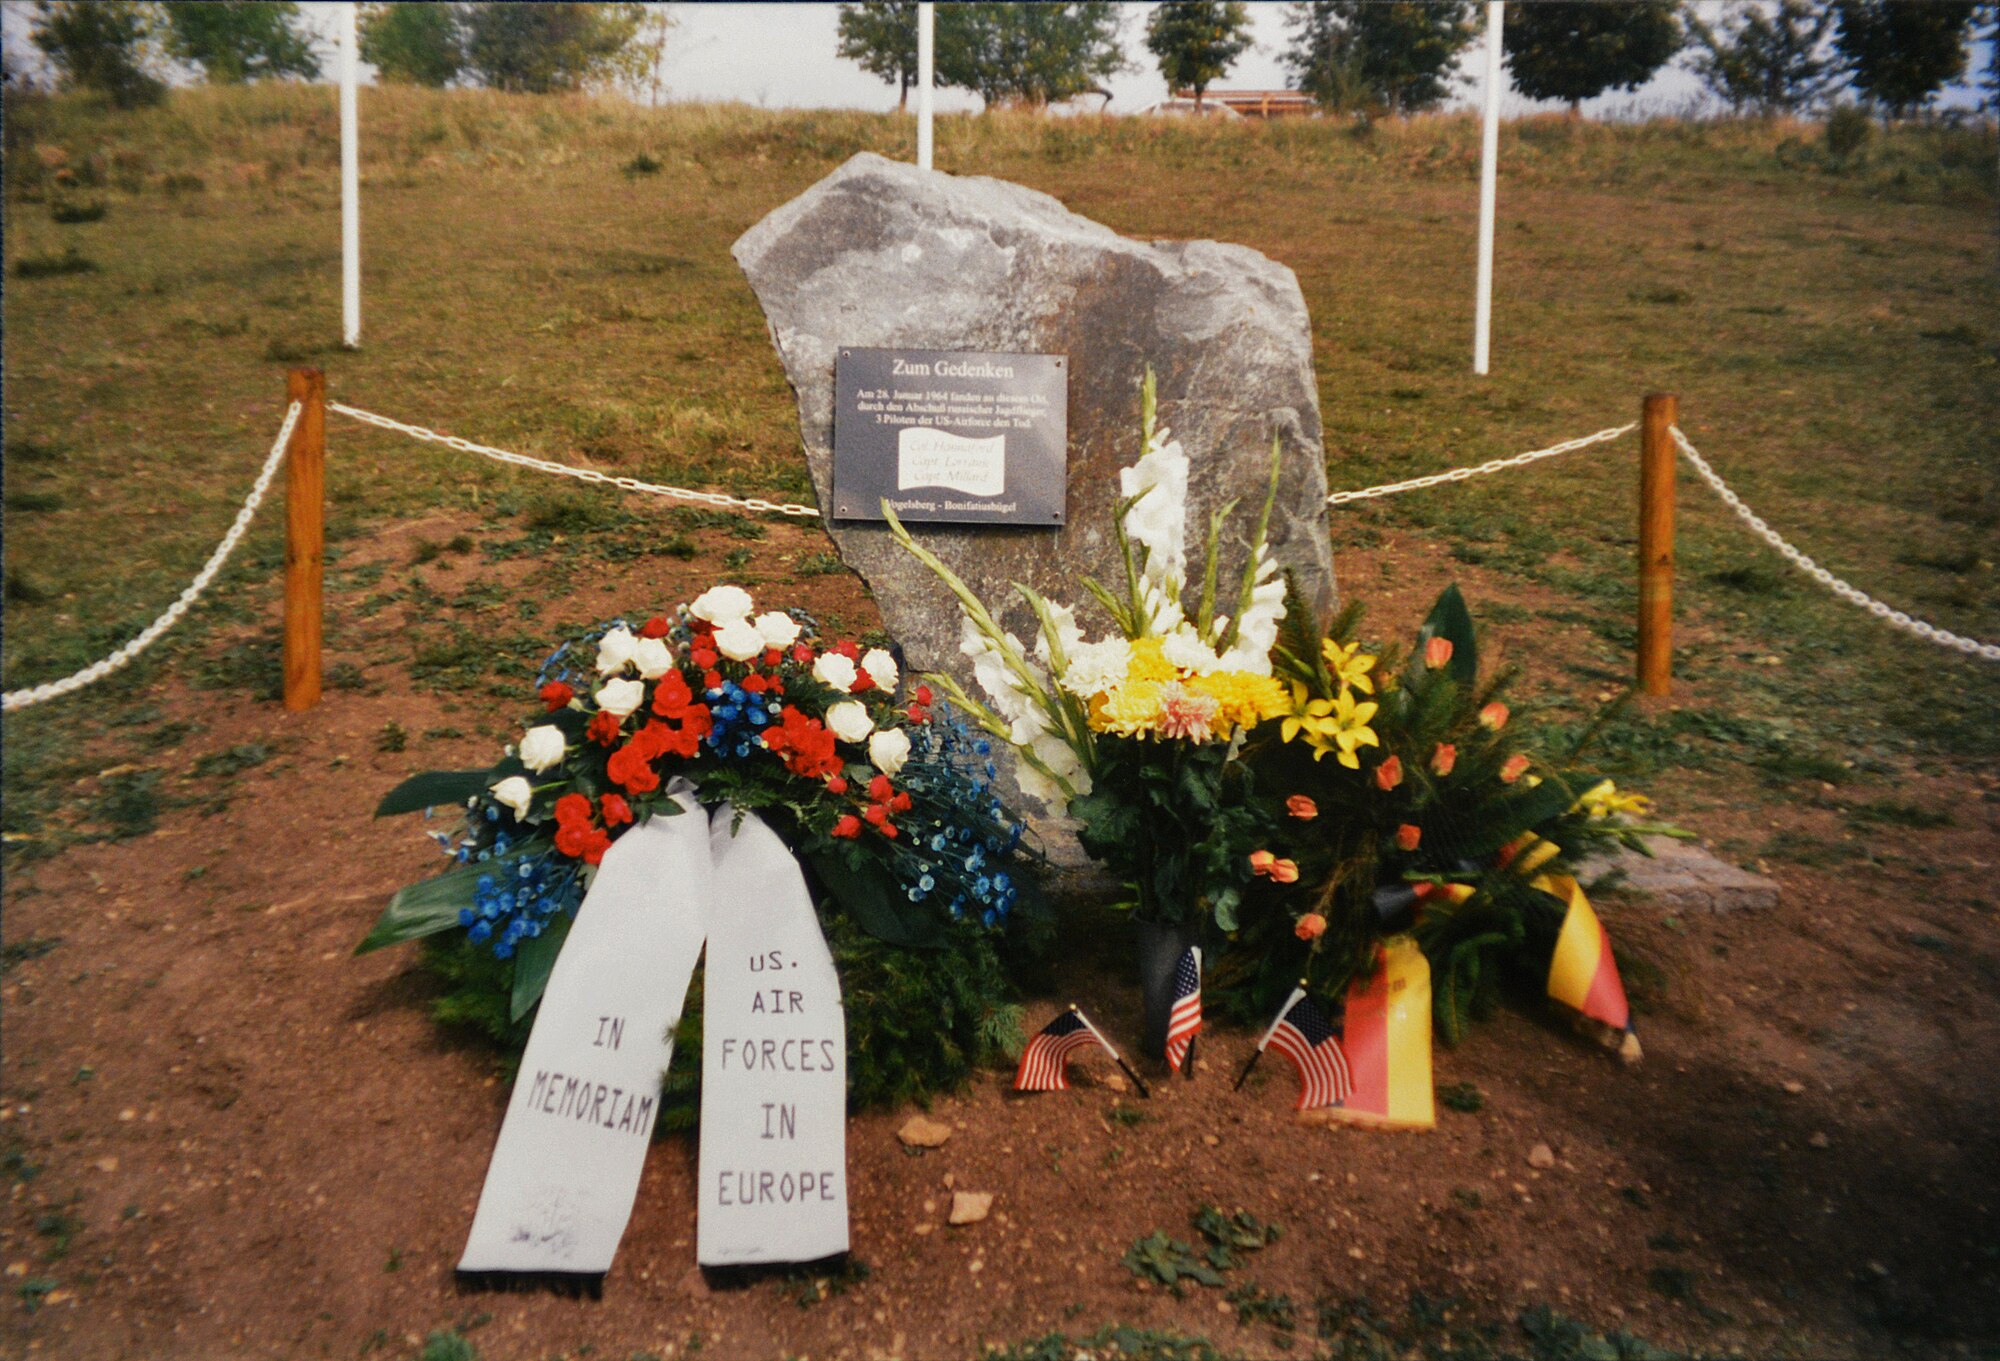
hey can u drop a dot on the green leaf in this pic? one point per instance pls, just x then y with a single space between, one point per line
870 896
434 788
426 908
1451 620
533 962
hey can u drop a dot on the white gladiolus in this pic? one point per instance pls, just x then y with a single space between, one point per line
993 674
881 668
621 697
849 721
777 629
720 604
739 640
614 650
1068 635
1158 522
543 747
516 793
1040 787
835 672
653 658
889 749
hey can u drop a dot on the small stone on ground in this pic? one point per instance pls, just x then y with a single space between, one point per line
969 1207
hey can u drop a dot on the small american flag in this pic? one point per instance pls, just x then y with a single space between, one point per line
1042 1061
1304 1035
1184 1021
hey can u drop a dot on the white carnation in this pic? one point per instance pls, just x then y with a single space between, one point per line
621 697
739 640
720 604
777 629
1096 667
834 671
881 668
653 658
543 747
1184 649
889 749
615 650
516 793
849 721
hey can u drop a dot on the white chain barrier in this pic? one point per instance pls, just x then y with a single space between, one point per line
97 671
1928 632
753 504
1341 498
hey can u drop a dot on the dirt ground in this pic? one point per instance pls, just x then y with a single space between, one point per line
227 1137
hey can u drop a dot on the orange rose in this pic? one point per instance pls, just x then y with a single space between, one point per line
1516 766
1437 652
1311 926
1493 717
1389 774
1443 759
1302 808
1408 836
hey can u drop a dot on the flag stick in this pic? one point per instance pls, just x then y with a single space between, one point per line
1187 1061
1272 1029
1116 1057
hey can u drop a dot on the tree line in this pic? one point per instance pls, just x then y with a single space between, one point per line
1353 56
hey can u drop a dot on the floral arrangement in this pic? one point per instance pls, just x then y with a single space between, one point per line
1138 733
885 797
1432 817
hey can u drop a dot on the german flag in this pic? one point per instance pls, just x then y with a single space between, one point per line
1387 1039
1582 973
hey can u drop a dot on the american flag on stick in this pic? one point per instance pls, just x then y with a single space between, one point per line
1184 1021
1304 1035
1043 1060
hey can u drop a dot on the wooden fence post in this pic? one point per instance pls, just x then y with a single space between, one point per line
1656 544
305 536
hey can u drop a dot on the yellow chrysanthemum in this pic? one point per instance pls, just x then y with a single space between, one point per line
1603 800
1131 709
1350 665
1243 699
1149 662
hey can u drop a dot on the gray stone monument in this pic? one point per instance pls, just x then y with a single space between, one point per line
882 254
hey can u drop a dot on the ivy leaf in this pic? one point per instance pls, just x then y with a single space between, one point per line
426 908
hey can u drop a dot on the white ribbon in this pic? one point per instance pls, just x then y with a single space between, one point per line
565 1171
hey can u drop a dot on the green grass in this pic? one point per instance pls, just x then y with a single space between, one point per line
1826 321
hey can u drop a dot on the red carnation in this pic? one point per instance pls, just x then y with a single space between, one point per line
837 785
631 767
603 728
848 825
901 803
888 829
879 789
572 810
655 627
754 684
616 811
923 694
671 697
703 657
556 695
711 679
801 653
846 648
877 813
918 713
863 682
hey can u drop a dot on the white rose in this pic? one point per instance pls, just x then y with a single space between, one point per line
621 697
720 604
543 747
888 749
739 640
614 650
835 672
881 668
516 793
778 629
653 658
849 721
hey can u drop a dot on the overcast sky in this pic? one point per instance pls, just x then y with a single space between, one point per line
782 56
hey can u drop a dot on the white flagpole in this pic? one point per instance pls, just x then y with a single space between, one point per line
1283 1011
350 181
1489 175
926 63
1116 1057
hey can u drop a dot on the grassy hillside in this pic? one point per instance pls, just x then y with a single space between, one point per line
553 276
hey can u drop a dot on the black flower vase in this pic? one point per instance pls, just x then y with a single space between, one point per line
1160 950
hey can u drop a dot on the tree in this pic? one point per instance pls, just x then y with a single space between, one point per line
1576 49
1395 54
1031 53
881 36
1767 57
413 44
1899 53
232 41
95 45
1197 41
547 48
